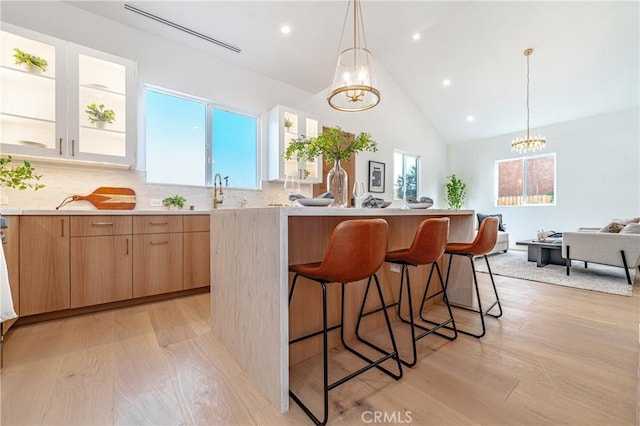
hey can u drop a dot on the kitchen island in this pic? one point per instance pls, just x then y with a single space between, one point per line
251 250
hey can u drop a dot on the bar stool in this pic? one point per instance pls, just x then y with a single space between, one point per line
355 251
426 248
481 245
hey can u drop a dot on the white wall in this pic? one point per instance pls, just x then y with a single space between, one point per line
597 178
395 123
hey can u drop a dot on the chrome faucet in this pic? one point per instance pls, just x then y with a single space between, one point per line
217 190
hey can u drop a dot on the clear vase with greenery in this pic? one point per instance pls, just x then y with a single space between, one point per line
456 192
333 145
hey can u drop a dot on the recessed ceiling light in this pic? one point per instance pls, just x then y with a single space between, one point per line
285 29
446 82
416 36
471 118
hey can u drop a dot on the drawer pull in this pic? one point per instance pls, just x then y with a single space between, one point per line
127 253
158 223
102 224
157 243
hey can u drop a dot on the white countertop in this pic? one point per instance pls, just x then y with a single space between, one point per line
78 212
332 211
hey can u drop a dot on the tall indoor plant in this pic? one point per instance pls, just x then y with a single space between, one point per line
333 145
456 192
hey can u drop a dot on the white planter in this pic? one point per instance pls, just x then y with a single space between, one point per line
100 124
31 68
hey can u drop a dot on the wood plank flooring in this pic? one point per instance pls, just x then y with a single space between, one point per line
557 356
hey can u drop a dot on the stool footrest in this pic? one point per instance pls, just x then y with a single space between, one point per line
390 305
317 333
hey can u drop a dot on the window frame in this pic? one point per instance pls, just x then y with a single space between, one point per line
523 195
208 160
418 159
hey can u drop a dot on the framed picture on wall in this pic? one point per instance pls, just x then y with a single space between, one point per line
376 176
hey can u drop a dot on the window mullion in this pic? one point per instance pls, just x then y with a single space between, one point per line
208 148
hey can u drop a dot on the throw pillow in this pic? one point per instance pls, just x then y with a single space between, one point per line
482 217
613 227
627 221
631 228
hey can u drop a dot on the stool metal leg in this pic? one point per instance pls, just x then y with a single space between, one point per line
414 338
445 299
479 311
325 351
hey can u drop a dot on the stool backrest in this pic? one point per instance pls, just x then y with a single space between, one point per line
355 251
486 238
429 242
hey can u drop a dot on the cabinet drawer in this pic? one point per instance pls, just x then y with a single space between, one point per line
157 224
197 223
89 226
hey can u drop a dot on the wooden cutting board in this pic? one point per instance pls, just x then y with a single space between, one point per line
109 198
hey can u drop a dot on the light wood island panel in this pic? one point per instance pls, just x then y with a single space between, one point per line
250 254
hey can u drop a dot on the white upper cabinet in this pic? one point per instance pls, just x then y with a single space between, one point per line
43 112
287 124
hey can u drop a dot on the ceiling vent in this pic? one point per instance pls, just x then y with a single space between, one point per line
156 18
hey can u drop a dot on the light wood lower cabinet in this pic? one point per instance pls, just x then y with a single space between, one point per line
101 259
44 264
101 270
64 262
197 270
11 246
157 264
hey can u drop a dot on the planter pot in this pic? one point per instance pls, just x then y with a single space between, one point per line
100 124
337 184
31 68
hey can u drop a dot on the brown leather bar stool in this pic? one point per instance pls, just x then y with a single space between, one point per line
355 251
480 246
427 247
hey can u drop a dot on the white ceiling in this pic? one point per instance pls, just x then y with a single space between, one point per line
586 59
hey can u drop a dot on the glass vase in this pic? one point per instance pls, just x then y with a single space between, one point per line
337 184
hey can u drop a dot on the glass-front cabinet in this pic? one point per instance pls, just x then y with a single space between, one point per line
287 124
65 101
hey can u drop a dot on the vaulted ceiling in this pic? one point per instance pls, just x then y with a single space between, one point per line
586 59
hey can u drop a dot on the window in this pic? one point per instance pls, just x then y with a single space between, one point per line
405 175
526 181
181 151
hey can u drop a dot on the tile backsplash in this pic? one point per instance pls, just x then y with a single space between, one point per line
63 180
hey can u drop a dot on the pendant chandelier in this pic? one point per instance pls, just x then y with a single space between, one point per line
528 143
353 87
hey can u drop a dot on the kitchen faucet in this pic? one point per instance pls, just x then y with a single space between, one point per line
217 190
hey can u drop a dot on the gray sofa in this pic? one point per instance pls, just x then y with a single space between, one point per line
502 244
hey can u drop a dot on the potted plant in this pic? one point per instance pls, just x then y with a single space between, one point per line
18 177
177 201
287 123
334 145
456 192
100 116
30 62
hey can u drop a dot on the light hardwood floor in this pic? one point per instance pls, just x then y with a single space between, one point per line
557 356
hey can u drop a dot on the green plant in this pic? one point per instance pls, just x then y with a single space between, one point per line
18 177
456 192
287 122
22 57
333 144
99 113
176 201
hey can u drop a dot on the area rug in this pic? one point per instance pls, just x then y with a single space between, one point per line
602 278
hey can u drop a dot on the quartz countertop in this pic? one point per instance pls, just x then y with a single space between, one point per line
78 212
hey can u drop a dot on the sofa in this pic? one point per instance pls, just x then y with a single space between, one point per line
502 244
604 246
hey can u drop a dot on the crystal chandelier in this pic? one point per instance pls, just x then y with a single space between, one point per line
353 87
528 143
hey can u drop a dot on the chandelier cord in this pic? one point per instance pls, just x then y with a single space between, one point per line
528 97
344 25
